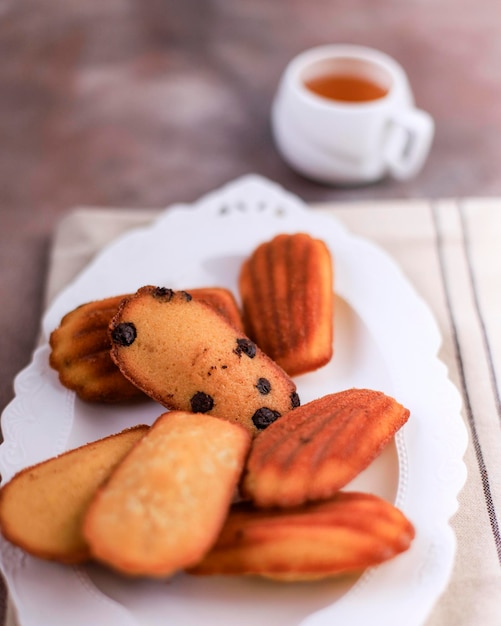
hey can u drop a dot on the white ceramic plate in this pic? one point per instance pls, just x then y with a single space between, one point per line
385 338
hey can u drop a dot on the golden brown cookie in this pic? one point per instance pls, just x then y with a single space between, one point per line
317 449
43 506
80 352
184 355
346 534
80 346
286 286
221 300
164 506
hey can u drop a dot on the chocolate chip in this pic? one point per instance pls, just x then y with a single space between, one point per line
263 417
295 401
187 296
124 334
163 293
245 346
263 386
201 402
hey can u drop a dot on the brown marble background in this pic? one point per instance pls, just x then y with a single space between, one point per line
147 102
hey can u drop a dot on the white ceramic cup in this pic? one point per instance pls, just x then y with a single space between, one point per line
349 142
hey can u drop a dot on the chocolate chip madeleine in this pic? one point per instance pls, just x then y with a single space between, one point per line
317 449
286 286
184 355
42 508
164 506
80 346
346 534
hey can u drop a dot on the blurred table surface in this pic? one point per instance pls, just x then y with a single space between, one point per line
146 103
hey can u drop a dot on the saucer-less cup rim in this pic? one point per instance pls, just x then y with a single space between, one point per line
361 61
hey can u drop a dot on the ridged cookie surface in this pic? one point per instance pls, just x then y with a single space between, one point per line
42 508
80 346
317 449
80 352
286 286
221 300
343 535
163 507
184 355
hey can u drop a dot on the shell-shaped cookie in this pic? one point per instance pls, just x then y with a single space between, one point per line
186 356
343 535
317 449
163 507
80 346
43 506
221 300
286 286
80 352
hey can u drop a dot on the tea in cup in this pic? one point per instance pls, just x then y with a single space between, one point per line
345 114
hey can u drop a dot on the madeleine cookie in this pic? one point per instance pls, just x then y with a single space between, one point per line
80 352
80 346
317 449
185 356
43 506
164 506
221 300
346 534
286 286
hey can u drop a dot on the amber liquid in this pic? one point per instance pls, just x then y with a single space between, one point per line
345 88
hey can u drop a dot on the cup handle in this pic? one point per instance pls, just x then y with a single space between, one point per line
408 142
